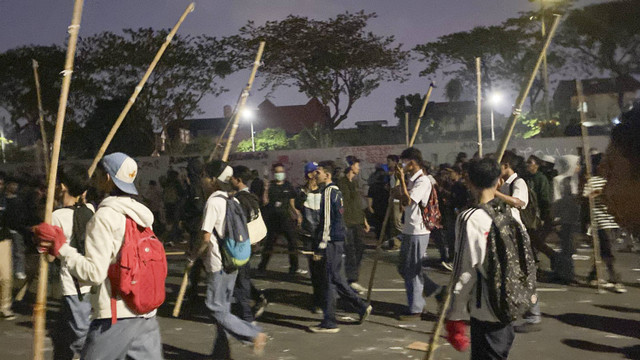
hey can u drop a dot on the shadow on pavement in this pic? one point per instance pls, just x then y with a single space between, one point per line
630 352
618 326
172 352
619 308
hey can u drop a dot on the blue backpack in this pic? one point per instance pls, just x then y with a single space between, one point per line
235 246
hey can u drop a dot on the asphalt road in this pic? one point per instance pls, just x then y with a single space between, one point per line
577 322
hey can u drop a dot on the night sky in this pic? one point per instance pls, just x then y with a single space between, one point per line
412 22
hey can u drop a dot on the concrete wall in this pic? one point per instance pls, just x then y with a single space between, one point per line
151 168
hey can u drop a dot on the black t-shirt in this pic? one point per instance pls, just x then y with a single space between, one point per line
379 195
280 196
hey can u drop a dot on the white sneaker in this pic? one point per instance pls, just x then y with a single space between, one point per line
358 288
323 330
7 315
20 275
447 266
619 288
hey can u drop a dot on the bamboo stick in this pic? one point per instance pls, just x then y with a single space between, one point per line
479 105
597 261
424 107
41 297
43 134
241 103
225 156
406 128
501 148
524 92
137 90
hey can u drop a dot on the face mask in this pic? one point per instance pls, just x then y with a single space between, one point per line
404 165
279 176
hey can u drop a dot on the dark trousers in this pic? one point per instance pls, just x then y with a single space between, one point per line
275 226
606 238
490 341
244 291
336 283
445 244
317 272
538 241
353 250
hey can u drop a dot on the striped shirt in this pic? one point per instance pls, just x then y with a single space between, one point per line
603 219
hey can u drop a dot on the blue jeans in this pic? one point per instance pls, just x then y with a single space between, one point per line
336 283
413 269
219 294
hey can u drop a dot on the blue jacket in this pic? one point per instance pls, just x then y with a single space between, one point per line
331 226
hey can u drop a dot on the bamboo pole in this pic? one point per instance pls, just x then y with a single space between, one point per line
406 128
424 107
433 342
225 156
137 90
597 261
43 275
241 103
524 92
479 105
43 134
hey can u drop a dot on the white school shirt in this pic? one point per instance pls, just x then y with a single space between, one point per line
520 191
419 188
64 218
214 214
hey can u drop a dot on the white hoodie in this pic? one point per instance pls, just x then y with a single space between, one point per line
105 233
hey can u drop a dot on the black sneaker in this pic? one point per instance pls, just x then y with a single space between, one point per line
366 314
260 306
323 330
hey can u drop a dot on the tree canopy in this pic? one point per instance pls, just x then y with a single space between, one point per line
336 60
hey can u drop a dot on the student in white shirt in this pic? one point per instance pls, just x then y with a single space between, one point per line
73 320
514 191
220 284
414 192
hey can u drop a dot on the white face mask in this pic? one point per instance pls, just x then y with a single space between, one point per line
404 165
279 176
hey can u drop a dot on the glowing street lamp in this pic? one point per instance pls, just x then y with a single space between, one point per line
248 114
494 100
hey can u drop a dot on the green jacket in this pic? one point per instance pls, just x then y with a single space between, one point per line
540 185
353 212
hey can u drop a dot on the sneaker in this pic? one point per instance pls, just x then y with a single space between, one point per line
619 288
323 330
260 306
169 244
7 315
603 283
358 288
317 310
298 272
447 266
259 342
21 275
527 327
366 314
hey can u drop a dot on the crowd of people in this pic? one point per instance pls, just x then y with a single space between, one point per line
469 208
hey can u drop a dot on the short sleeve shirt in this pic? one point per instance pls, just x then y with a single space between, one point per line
520 191
213 218
419 188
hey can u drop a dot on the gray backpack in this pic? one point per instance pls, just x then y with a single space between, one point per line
509 264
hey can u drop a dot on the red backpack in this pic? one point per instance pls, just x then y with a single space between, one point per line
140 271
431 215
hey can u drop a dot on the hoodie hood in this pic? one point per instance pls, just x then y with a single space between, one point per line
567 165
131 208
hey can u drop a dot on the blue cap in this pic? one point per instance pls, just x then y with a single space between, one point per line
123 171
310 167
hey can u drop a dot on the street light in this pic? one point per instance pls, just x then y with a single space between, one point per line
248 114
494 99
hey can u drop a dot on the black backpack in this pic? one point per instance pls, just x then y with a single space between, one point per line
509 264
531 214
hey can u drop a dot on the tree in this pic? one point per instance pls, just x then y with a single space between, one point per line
337 61
265 140
603 37
188 71
453 90
412 104
507 51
